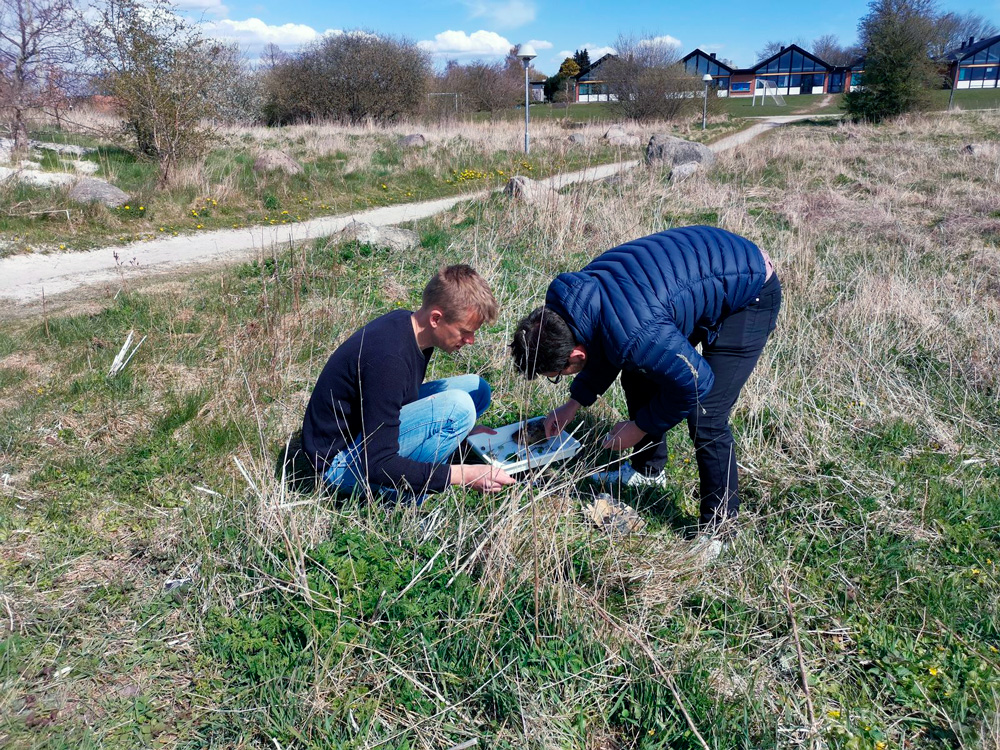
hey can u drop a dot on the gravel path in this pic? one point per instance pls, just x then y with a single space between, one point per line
24 279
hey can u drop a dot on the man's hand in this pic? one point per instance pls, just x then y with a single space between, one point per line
480 430
480 477
623 436
557 419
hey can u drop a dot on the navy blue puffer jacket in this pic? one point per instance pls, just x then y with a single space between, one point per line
641 306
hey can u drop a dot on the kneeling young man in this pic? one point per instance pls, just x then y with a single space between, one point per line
640 309
372 421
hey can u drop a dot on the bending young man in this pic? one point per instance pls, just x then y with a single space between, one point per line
639 310
372 421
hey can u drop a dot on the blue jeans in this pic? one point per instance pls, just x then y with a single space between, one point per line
430 430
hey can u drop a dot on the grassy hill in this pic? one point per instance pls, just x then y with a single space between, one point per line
159 588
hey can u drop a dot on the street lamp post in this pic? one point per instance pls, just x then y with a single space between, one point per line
526 54
704 111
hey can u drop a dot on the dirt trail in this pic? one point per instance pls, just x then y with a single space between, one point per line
24 279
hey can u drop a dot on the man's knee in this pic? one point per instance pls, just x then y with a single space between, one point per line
460 411
482 397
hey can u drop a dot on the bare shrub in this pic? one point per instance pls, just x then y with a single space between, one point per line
647 82
351 78
163 77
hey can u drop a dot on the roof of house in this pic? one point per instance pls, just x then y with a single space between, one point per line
790 48
600 61
970 48
709 57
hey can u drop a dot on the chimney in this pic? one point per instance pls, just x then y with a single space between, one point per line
713 55
972 40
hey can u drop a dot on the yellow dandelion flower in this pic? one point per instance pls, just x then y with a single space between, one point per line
933 671
62 247
162 229
127 208
879 746
142 208
993 649
834 714
198 227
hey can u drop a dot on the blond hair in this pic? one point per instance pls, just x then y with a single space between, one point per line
459 290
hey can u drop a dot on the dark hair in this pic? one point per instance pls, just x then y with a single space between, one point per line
542 343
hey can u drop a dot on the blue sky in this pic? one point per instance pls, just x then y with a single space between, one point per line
470 29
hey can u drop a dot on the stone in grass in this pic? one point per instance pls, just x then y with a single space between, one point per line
528 191
578 139
615 131
92 190
393 239
414 140
969 150
276 161
625 141
683 171
670 151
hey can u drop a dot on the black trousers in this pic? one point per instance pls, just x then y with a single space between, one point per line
732 357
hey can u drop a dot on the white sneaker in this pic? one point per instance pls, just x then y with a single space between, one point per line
626 476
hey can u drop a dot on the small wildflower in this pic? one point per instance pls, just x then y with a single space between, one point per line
284 213
834 714
162 229
198 227
127 208
193 212
933 671
879 746
62 247
651 732
384 187
993 649
976 571
142 208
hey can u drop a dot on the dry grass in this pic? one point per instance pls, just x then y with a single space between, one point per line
868 433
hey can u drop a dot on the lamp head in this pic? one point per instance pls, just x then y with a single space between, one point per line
526 53
707 78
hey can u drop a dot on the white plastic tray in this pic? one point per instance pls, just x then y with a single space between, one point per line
501 451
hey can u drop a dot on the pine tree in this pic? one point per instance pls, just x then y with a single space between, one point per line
582 58
896 36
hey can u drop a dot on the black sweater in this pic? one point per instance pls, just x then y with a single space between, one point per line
362 388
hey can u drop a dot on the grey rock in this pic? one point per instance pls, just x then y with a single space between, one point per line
92 190
969 150
414 140
670 151
578 138
276 161
624 141
683 171
528 191
381 238
615 131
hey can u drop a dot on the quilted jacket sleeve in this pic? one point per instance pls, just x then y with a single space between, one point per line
593 381
664 355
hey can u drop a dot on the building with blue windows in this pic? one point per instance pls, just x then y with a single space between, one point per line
699 63
792 71
976 65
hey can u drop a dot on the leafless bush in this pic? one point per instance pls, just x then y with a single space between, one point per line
163 77
647 81
351 78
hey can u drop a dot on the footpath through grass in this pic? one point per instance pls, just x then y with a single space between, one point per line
159 588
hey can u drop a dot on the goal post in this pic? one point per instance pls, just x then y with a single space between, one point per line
766 88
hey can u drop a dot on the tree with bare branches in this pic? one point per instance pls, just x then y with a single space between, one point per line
36 49
165 79
646 80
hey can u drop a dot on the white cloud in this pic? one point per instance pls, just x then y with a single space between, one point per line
666 40
540 44
212 7
459 44
503 13
254 33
